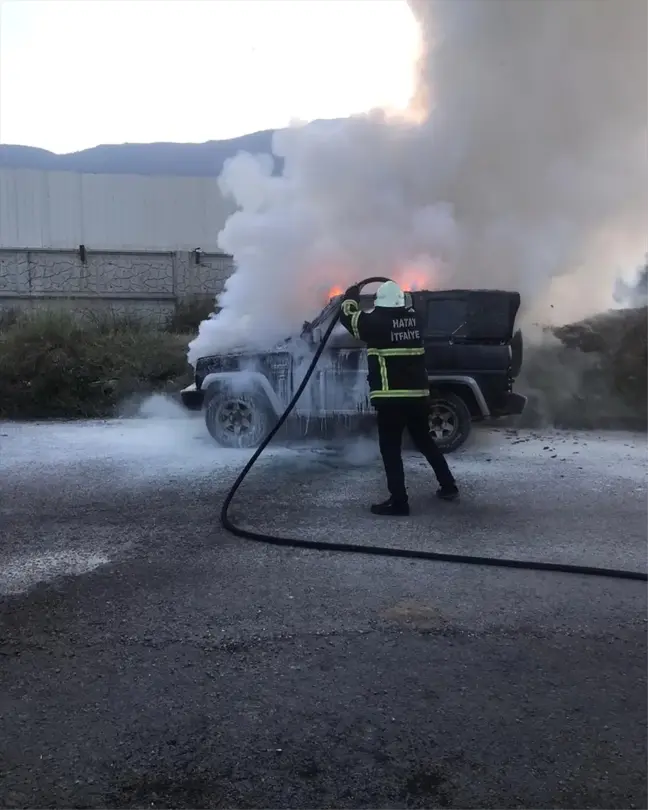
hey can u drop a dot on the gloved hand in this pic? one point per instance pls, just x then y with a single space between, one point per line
353 293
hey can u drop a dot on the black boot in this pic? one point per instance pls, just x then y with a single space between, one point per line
448 493
391 507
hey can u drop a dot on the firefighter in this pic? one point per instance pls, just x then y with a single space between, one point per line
399 388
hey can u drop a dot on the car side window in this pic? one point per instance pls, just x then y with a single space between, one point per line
445 316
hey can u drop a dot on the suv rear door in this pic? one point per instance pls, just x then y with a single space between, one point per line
467 331
442 316
491 315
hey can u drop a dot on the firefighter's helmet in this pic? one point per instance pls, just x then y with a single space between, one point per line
390 294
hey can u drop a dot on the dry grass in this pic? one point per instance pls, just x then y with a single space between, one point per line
53 365
190 313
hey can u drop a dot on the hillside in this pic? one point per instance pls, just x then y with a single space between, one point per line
175 159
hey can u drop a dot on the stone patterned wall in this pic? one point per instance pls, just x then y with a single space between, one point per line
146 284
206 276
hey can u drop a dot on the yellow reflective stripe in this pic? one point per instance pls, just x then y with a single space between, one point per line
383 374
354 323
396 352
414 392
349 306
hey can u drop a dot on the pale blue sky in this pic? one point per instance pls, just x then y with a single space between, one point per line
76 73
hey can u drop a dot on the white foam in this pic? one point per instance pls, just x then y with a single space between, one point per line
20 573
610 454
162 441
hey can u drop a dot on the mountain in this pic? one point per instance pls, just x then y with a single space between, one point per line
179 159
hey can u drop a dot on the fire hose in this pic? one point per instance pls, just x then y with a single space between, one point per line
385 551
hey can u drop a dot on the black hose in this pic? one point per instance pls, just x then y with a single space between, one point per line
385 551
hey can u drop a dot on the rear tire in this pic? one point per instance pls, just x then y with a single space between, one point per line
517 353
449 420
238 420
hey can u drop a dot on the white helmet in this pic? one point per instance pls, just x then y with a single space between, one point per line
390 294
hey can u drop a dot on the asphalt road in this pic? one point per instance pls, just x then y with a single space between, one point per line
149 660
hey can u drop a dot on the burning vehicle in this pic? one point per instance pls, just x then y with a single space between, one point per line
472 352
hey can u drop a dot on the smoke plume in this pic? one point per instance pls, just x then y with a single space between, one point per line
521 164
633 293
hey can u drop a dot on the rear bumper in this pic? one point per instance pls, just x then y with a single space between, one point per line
513 405
192 398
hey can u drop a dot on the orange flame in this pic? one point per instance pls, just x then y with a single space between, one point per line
412 279
409 279
413 284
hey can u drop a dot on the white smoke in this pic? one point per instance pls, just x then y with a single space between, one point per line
633 293
525 168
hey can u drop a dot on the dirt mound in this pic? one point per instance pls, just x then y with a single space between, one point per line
590 374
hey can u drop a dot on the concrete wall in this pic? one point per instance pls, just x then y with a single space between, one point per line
40 209
143 283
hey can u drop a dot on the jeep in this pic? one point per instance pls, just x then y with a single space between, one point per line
472 353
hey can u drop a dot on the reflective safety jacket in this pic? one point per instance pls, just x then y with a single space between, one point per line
395 352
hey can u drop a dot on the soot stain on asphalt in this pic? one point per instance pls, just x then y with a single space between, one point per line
193 790
422 787
427 784
417 616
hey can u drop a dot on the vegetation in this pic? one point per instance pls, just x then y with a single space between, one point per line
589 374
190 313
56 365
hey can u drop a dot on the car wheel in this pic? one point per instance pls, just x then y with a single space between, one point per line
517 353
449 420
238 420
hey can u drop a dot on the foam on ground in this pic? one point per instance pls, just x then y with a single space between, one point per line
621 454
20 573
162 441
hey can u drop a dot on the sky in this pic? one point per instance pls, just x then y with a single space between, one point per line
77 73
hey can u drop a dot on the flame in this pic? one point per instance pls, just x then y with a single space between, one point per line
409 279
413 284
412 279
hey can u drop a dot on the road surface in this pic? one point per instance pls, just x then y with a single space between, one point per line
149 660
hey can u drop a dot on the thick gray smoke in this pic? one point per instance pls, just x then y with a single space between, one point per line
524 167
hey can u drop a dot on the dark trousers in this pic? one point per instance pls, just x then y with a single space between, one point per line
393 417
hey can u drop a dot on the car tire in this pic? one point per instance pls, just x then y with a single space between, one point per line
449 419
238 420
517 353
